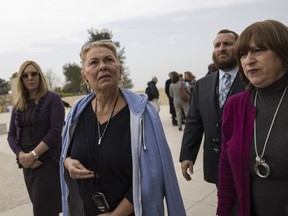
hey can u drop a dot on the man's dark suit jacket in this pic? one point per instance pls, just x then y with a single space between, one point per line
203 117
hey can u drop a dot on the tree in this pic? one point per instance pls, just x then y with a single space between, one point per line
4 87
52 78
14 75
96 35
72 72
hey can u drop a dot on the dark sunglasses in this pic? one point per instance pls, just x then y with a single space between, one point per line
32 74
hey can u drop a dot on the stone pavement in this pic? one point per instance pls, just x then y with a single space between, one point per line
199 197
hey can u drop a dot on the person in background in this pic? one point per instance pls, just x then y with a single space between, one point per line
205 112
178 102
211 68
190 81
171 105
154 93
254 161
35 137
182 80
115 158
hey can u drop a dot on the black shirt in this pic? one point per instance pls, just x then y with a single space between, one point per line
111 161
27 141
269 196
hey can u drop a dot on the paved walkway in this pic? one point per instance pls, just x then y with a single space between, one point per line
199 197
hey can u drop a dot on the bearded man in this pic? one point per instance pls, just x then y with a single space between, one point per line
205 112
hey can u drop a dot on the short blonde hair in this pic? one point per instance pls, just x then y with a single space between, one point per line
100 43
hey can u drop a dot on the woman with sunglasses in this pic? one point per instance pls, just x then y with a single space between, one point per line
115 158
35 137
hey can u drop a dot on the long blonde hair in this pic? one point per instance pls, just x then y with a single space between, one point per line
22 93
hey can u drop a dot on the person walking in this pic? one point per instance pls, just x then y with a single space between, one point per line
205 112
190 81
153 96
171 105
181 106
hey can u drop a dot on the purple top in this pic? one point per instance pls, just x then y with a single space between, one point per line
234 165
49 120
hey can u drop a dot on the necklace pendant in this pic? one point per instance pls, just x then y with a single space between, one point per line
260 161
99 141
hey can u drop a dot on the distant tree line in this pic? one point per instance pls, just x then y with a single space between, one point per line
72 71
4 87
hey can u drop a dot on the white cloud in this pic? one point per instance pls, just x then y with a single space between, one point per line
26 22
158 35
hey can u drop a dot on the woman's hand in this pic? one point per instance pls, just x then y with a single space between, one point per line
26 159
36 164
77 170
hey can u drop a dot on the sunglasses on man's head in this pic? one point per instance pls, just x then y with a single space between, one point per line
32 74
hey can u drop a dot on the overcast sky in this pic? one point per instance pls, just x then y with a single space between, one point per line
159 36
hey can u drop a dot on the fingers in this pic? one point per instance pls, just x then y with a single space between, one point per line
187 166
81 174
77 170
191 167
25 165
36 164
20 154
25 160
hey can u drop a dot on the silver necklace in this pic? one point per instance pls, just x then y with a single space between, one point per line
106 126
260 160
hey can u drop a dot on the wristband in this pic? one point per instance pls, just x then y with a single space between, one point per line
35 155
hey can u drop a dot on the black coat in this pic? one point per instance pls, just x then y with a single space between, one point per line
203 117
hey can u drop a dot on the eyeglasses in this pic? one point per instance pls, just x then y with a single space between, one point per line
90 44
31 74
